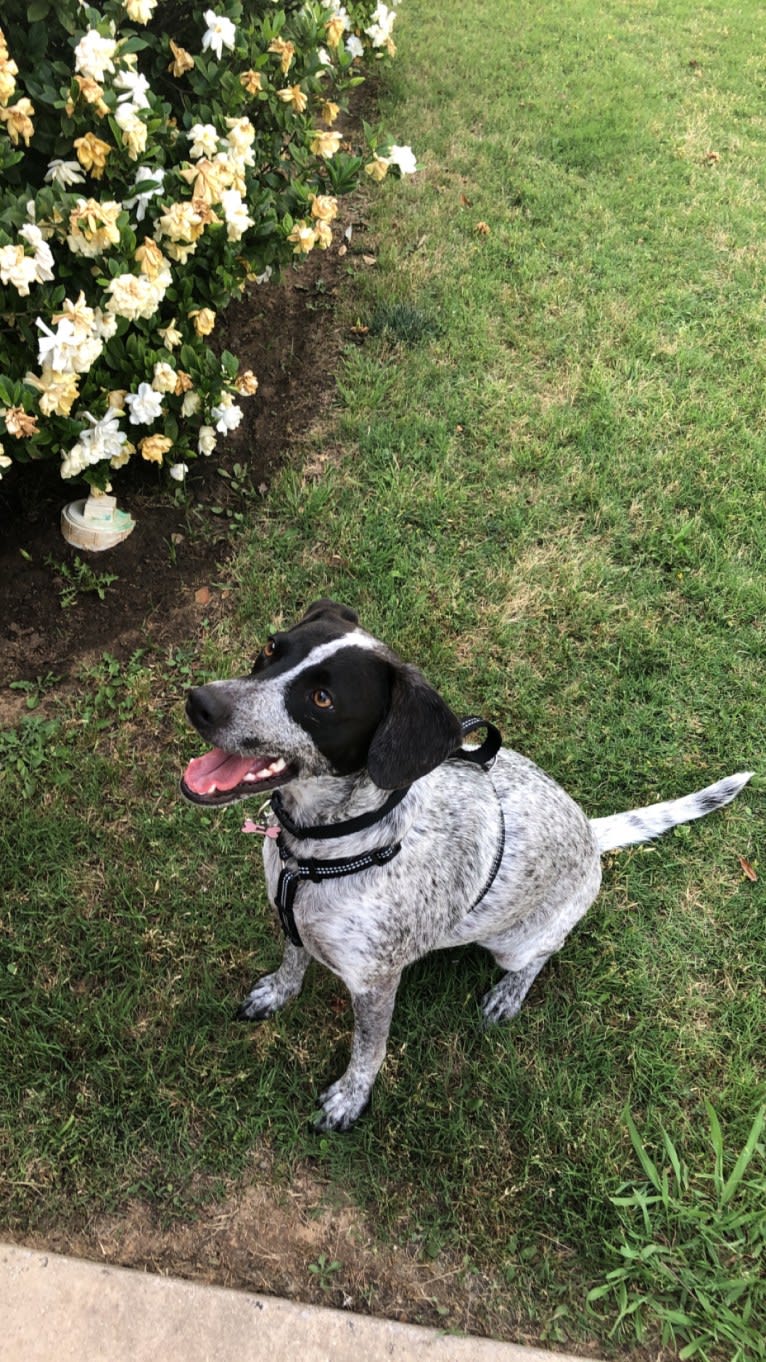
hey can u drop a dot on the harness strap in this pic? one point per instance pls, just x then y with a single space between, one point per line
499 853
312 869
324 831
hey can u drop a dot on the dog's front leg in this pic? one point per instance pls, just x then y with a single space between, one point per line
345 1100
274 990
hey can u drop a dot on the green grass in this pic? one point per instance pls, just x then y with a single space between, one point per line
546 486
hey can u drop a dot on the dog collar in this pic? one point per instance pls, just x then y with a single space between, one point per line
324 831
480 756
314 869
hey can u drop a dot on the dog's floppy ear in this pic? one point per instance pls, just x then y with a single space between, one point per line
418 732
327 607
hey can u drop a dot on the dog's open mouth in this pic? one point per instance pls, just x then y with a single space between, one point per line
223 777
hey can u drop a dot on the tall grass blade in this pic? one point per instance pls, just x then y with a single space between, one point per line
740 1167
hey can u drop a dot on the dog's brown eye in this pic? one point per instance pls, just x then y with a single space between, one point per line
322 699
269 648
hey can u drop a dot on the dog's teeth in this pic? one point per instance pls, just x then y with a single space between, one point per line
278 765
251 776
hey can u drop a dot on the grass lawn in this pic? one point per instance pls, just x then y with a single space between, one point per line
543 480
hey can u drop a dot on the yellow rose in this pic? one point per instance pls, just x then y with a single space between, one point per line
293 94
303 238
329 112
183 383
251 81
325 144
92 153
20 423
377 169
155 447
285 51
334 29
204 320
324 207
182 60
18 120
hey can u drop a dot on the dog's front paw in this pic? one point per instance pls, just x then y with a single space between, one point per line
342 1104
265 998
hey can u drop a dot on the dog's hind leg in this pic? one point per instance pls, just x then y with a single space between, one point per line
346 1099
505 999
274 990
528 945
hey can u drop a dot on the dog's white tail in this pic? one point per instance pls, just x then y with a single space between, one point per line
640 825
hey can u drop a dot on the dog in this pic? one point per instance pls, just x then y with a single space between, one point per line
388 837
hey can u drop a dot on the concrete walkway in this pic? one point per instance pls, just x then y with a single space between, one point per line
55 1309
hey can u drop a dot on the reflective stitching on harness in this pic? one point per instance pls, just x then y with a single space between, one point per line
291 876
315 870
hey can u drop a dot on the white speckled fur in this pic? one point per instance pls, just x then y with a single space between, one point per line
368 926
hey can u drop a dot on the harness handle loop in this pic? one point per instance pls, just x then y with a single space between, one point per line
486 753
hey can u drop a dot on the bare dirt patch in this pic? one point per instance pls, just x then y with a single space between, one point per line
298 1241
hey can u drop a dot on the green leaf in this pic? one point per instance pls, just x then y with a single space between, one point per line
738 1171
648 1166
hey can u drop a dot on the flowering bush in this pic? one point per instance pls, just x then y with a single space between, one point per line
154 159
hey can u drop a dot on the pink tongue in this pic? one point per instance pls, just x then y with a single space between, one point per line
218 770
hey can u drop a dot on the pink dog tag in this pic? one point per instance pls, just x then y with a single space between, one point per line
262 828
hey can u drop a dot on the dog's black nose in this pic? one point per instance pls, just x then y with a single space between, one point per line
206 708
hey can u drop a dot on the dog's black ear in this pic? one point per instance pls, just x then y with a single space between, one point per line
418 732
327 607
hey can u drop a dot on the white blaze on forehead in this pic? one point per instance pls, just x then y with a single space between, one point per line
258 719
356 638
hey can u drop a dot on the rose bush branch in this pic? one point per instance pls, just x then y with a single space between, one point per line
155 158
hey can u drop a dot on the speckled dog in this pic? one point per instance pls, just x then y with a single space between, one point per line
393 838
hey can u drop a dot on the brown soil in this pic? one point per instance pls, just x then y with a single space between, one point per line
300 1242
286 336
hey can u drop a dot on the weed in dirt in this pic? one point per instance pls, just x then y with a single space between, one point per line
37 689
325 1270
79 579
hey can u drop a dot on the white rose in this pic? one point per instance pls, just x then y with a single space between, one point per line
145 405
206 441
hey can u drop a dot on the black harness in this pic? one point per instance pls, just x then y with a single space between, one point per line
316 870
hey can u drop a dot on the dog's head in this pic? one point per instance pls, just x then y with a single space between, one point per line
323 698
